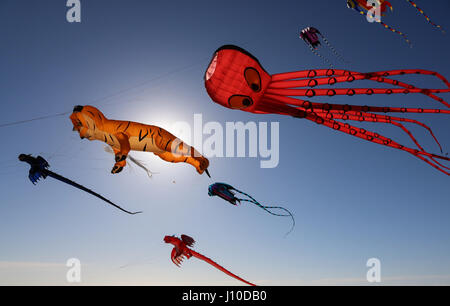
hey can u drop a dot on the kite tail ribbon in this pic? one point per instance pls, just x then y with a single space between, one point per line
266 208
76 185
390 28
426 17
219 267
397 32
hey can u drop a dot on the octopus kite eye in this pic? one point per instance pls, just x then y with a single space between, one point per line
239 102
253 79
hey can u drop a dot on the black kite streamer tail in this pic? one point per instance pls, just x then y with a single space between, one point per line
39 169
81 187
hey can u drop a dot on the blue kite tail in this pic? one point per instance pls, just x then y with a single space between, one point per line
266 208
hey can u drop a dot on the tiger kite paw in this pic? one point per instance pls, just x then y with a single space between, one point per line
119 157
203 164
118 167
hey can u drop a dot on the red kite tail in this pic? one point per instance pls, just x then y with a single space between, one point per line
216 265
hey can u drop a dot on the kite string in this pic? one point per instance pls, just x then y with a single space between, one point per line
338 55
157 78
105 98
33 119
326 60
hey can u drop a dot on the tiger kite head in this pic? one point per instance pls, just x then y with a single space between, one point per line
87 120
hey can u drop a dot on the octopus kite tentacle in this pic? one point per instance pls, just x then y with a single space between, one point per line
362 116
350 76
285 80
326 117
181 250
256 91
376 138
322 119
346 107
369 117
426 17
332 72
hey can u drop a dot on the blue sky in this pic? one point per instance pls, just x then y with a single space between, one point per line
352 200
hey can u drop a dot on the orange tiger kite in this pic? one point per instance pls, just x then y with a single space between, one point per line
124 136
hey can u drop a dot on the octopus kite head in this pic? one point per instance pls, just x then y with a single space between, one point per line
86 120
235 79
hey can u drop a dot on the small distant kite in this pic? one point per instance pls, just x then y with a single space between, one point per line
310 36
181 250
367 5
362 7
227 193
39 169
124 136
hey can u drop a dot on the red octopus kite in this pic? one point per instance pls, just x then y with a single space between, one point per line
235 79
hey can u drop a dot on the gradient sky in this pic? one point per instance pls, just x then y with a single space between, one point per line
352 200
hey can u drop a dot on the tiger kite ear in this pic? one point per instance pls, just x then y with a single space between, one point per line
77 108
